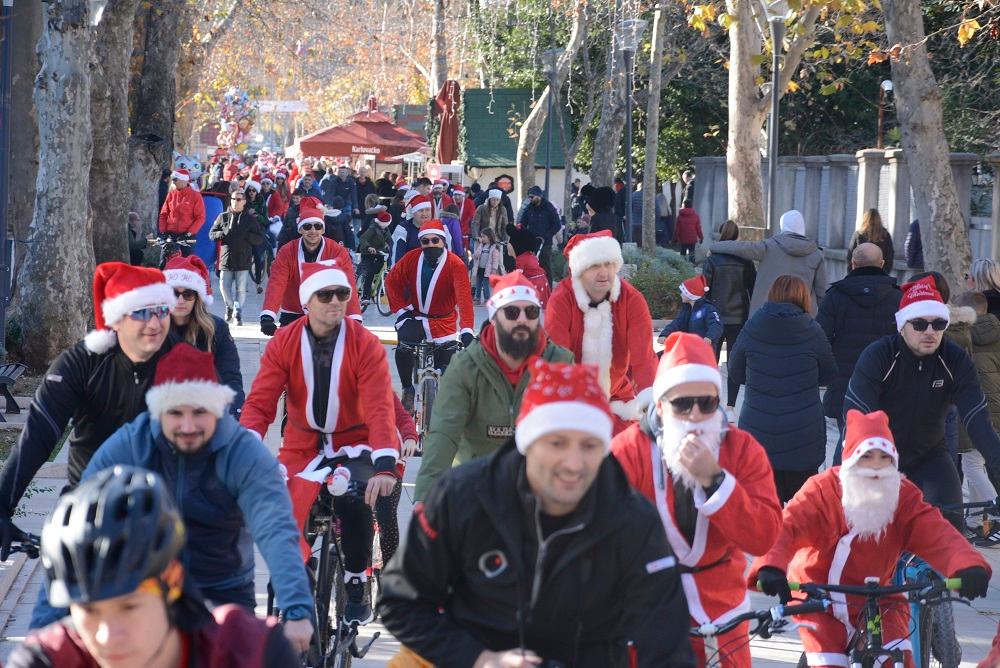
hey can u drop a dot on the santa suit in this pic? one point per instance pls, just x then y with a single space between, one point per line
360 414
282 295
466 213
616 335
276 206
183 212
436 310
815 545
438 204
743 515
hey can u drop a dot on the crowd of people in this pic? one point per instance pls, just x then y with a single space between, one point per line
581 500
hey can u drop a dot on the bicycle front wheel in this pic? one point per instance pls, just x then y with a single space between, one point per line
381 300
428 391
939 646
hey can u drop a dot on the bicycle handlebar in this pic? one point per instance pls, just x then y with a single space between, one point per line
813 588
766 618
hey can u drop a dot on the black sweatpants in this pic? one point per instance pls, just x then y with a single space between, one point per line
729 334
938 478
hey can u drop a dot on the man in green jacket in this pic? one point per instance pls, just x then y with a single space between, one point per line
480 394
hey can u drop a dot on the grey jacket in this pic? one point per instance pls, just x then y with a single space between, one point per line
784 253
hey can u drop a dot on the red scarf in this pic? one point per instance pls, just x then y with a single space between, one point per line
488 339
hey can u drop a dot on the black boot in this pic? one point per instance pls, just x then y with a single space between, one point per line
229 314
409 394
359 606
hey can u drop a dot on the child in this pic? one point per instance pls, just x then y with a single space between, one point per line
374 240
697 315
487 262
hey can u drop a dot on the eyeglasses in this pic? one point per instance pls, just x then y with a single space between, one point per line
325 296
312 226
432 241
939 325
186 295
683 405
514 312
145 314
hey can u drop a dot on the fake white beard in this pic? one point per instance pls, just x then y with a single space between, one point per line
673 431
870 498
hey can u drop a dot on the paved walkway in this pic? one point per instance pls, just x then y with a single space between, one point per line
20 580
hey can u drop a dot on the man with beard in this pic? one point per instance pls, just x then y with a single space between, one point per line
479 398
712 485
852 522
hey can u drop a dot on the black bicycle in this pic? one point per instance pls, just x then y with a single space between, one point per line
426 377
173 245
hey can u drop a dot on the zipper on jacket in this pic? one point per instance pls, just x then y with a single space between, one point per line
543 546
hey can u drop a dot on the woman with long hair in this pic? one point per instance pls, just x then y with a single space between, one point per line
984 276
783 357
191 321
872 231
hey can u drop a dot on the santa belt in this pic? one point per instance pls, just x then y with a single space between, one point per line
418 314
699 569
353 434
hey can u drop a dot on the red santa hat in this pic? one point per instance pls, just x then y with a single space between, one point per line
921 299
694 288
319 275
508 288
687 358
562 396
181 175
189 272
252 184
383 217
457 189
119 289
310 211
402 183
585 250
867 432
441 183
419 202
186 376
433 226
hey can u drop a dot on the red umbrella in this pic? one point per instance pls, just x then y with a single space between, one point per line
367 133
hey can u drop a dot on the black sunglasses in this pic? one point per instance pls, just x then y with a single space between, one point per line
939 325
432 241
514 312
326 296
186 295
683 405
312 226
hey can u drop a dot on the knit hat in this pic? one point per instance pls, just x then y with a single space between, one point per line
687 358
562 396
921 299
189 272
508 288
602 199
867 432
310 211
792 221
319 275
494 193
522 240
694 288
186 376
432 227
536 191
586 250
119 289
181 175
419 203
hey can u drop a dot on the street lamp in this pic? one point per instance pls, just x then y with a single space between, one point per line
776 12
884 89
631 33
549 60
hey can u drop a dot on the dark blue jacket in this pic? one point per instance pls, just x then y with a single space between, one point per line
857 310
782 356
700 318
332 186
227 361
404 239
541 220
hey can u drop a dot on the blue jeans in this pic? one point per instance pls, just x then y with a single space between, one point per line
483 290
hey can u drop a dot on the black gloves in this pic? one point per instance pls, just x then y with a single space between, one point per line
267 325
467 339
774 582
975 582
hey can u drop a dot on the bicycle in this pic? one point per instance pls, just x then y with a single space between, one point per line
172 245
427 377
381 299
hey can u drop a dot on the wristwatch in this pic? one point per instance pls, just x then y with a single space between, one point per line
713 486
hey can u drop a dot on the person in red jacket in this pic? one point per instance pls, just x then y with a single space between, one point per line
605 321
281 300
338 395
712 485
852 522
466 212
183 211
687 230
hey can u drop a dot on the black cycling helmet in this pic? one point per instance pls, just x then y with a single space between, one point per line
108 535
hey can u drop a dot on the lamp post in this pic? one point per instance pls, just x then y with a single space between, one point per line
549 60
6 52
631 32
884 89
776 12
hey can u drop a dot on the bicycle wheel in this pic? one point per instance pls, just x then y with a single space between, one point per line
939 646
340 656
323 638
428 391
381 300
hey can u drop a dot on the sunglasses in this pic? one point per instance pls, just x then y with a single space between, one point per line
145 314
939 325
514 312
432 241
326 296
683 405
312 226
186 295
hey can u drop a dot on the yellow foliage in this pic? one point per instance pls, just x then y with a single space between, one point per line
792 87
967 30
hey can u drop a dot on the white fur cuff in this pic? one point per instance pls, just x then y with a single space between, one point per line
213 397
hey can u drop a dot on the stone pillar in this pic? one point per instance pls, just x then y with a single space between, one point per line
993 160
837 197
704 167
962 165
720 199
897 217
870 161
812 174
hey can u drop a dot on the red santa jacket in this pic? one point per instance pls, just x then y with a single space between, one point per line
465 214
276 205
449 292
282 295
360 414
815 545
528 264
183 212
743 515
438 207
617 336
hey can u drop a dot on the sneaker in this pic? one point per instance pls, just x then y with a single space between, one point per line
239 317
409 394
730 415
229 314
991 539
359 606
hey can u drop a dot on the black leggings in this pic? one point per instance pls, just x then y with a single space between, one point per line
937 477
356 530
386 514
370 266
729 334
788 483
412 333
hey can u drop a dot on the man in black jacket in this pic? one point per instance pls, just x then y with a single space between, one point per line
915 377
856 311
540 218
100 383
540 551
239 230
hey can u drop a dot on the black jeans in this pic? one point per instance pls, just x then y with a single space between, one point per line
687 250
937 477
412 333
370 265
789 482
729 334
386 514
356 529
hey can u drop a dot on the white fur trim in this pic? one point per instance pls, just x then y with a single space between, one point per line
311 219
925 308
874 443
597 250
596 346
153 294
712 504
827 659
420 207
558 415
626 410
686 294
430 230
320 280
100 341
180 177
200 393
515 293
667 379
185 278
